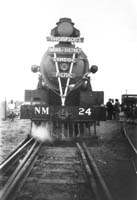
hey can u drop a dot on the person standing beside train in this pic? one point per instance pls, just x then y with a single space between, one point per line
116 109
11 107
109 109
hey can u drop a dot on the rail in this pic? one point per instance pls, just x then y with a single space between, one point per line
134 149
95 179
130 142
15 154
19 171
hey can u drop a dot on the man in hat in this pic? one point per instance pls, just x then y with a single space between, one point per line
109 109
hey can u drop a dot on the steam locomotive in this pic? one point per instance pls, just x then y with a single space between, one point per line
64 96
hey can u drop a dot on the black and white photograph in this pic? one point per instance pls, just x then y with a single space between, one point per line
68 100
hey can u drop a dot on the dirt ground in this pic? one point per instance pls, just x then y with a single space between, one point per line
111 153
11 135
114 159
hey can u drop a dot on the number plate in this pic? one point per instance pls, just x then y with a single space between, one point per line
74 113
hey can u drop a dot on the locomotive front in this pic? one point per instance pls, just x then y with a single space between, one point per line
64 95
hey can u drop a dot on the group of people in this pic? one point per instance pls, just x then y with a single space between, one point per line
113 109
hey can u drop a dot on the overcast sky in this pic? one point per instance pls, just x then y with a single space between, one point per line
108 26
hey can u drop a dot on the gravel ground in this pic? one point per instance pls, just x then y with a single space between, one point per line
111 153
131 129
11 135
113 158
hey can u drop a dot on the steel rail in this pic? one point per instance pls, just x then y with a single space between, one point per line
20 144
134 166
15 177
89 173
6 162
133 148
26 171
131 144
95 171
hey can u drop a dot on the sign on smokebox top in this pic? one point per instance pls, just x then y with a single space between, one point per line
65 39
63 50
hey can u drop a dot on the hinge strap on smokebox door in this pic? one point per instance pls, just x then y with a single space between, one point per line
68 79
63 96
57 70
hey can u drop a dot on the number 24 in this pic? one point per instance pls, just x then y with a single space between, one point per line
83 111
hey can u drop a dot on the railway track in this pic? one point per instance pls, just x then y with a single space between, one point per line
16 154
131 137
55 172
12 168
